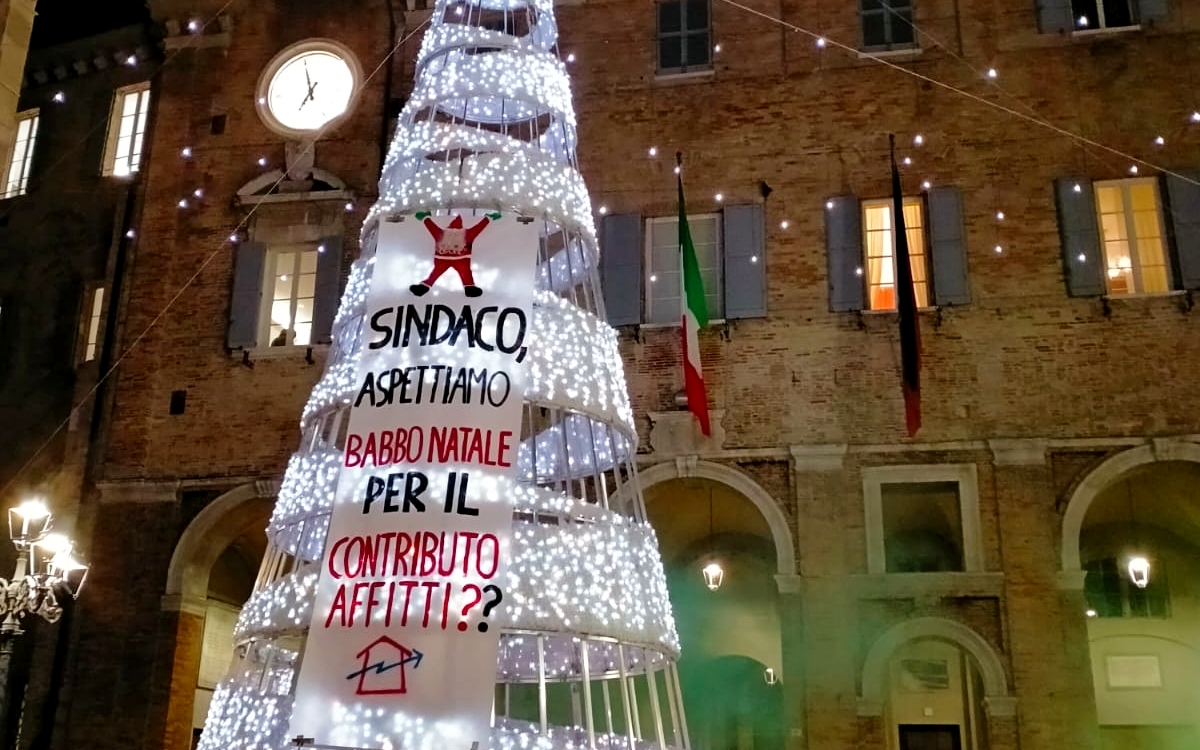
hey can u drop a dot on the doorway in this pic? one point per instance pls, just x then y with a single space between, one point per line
930 737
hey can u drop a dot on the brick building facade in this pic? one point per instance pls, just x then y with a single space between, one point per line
903 590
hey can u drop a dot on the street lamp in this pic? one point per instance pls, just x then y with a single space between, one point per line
46 569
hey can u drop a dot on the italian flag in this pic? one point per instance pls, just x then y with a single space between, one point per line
695 316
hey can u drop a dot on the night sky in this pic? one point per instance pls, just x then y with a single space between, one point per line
61 21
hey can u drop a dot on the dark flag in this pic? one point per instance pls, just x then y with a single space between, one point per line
906 305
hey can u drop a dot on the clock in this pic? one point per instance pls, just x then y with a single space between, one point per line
307 87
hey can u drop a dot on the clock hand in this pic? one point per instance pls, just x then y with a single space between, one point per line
309 96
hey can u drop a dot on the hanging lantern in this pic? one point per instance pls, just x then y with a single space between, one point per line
1139 571
713 575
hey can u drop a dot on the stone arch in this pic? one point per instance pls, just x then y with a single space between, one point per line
991 669
209 534
1099 478
781 531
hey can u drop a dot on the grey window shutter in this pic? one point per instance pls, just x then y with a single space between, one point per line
245 303
948 246
745 262
1152 10
1055 16
1183 197
1080 233
844 253
621 268
329 282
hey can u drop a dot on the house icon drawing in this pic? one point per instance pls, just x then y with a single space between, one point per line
382 666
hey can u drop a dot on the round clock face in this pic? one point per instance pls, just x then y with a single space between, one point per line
309 89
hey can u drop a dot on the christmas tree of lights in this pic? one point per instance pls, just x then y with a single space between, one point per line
588 647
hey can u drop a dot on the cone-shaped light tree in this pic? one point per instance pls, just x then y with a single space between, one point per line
587 644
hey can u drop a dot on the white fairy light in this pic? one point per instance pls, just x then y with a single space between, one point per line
998 249
918 140
186 152
193 26
829 205
821 42
131 60
130 234
183 203
1133 169
198 193
717 49
719 197
576 564
59 97
262 161
999 216
1196 116
992 74
784 224
1159 141
926 184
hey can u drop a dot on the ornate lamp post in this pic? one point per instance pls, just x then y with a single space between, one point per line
46 569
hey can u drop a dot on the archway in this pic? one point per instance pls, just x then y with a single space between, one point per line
768 508
745 713
212 573
703 513
1143 632
933 677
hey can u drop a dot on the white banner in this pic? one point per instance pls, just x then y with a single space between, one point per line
399 652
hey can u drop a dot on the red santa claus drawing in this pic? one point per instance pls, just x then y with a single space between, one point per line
452 247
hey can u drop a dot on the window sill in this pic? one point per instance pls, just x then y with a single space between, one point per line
894 311
1085 34
1145 295
906 53
656 326
280 352
689 76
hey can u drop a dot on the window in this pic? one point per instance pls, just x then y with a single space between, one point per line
94 312
922 518
880 245
887 24
1131 235
126 130
291 280
1102 14
1110 593
664 266
16 177
683 36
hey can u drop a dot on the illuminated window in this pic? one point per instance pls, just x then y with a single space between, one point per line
880 243
887 24
664 266
1131 233
95 311
684 37
1102 14
291 278
16 176
126 130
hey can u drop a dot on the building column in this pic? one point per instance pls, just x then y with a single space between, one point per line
814 628
791 634
183 635
1058 707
